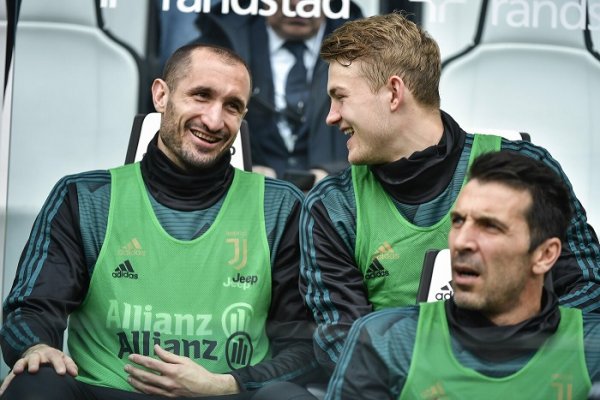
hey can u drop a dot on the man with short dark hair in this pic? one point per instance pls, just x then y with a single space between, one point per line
178 274
503 335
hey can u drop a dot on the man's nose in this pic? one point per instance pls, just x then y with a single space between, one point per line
212 117
333 117
463 238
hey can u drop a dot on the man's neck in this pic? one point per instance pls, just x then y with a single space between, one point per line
497 343
513 318
526 306
422 129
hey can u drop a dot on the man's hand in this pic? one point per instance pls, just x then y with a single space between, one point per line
319 174
37 355
176 376
266 171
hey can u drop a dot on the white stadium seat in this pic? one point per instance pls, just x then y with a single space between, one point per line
532 71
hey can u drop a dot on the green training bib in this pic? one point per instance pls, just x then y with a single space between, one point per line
206 298
389 249
556 372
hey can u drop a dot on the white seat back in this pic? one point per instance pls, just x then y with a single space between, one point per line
436 277
452 23
128 22
532 72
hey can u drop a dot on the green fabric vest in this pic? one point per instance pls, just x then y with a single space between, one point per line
206 298
389 249
557 371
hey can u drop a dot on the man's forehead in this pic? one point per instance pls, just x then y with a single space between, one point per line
207 66
342 76
493 198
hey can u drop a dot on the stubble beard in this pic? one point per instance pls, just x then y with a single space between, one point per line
187 156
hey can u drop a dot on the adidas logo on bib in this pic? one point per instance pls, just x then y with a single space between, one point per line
376 270
125 270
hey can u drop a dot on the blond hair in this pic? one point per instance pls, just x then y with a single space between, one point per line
389 45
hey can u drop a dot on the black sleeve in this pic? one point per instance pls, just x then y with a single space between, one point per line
289 325
365 375
376 359
51 279
332 283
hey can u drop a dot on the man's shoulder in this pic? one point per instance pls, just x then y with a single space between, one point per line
534 151
277 188
591 319
90 187
526 147
86 180
333 188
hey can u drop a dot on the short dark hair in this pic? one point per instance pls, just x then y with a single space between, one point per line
550 211
180 60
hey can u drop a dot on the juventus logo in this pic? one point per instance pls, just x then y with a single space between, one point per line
240 252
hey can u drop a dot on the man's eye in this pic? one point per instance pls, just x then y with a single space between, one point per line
234 108
491 226
456 220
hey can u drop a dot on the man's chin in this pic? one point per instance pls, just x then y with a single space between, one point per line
358 160
201 164
466 302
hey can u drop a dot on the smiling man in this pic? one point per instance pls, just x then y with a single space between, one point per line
364 232
140 259
503 335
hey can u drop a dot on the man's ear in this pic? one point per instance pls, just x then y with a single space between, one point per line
160 95
545 255
396 86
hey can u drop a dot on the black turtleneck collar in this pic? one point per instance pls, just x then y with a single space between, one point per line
501 343
425 174
181 190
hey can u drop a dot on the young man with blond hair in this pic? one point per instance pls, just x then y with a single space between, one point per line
364 232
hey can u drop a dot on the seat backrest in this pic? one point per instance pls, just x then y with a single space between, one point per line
452 23
128 22
436 277
145 127
74 93
532 71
